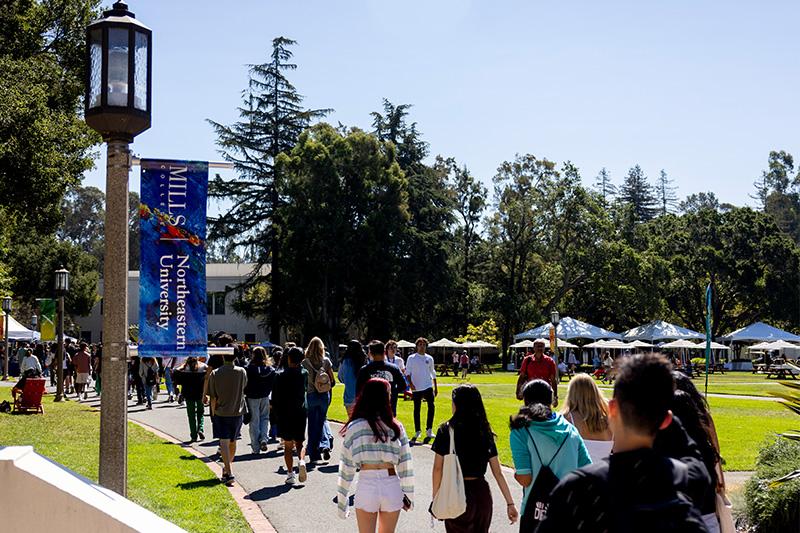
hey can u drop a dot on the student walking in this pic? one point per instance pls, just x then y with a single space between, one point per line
475 448
225 388
148 374
635 489
352 361
421 374
191 377
83 368
538 366
464 363
289 410
318 398
379 368
375 444
545 448
260 378
587 410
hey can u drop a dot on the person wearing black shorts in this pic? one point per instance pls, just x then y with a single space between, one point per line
225 388
289 408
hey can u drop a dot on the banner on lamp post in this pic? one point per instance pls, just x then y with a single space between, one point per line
172 272
47 319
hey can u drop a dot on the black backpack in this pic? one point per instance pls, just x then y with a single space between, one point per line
539 495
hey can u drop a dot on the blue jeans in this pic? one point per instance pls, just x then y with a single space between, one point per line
259 421
168 381
319 433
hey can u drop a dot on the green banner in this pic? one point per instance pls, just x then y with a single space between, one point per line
47 319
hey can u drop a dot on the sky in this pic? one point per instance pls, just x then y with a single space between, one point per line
703 90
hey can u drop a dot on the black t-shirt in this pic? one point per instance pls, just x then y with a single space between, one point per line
473 451
382 370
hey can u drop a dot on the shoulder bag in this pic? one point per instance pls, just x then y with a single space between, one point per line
451 500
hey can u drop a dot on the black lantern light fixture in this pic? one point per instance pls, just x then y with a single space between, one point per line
62 281
7 304
119 75
554 318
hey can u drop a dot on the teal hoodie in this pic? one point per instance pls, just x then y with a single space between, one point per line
549 435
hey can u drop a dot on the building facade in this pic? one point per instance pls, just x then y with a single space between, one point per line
222 280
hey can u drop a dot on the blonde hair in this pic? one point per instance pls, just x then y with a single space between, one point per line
584 398
315 351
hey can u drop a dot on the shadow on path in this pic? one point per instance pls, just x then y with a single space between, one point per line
268 493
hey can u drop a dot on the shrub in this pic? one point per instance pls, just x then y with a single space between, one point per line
774 507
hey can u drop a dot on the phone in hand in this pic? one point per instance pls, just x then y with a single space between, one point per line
406 503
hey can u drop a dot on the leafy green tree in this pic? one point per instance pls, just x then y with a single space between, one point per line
698 201
272 118
344 225
637 192
45 146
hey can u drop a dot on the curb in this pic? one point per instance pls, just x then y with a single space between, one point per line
256 519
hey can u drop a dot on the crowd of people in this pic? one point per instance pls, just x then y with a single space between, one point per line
648 459
81 366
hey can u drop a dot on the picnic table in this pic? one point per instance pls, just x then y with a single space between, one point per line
444 370
782 371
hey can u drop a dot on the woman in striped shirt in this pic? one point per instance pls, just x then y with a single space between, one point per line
376 444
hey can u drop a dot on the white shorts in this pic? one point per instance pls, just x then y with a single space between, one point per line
378 491
82 378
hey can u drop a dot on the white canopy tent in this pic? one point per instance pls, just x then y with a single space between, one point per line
640 344
405 344
612 344
682 344
478 345
660 330
569 328
18 332
760 331
527 343
444 343
774 346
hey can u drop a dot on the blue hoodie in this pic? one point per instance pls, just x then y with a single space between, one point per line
548 435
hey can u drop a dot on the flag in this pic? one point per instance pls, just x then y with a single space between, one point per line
47 319
708 332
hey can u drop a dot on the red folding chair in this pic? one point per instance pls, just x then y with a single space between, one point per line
30 401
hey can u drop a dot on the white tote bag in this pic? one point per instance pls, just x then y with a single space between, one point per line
725 514
451 500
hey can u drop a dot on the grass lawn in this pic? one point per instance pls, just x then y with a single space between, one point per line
162 477
741 424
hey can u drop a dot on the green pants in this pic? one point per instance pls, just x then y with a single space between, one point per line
195 411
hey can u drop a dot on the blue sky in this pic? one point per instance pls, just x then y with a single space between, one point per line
703 90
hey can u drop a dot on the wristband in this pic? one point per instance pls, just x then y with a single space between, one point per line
509 504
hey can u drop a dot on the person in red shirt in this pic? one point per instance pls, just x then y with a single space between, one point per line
82 362
538 366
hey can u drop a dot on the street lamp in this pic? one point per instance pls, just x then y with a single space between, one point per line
117 105
61 287
6 311
555 319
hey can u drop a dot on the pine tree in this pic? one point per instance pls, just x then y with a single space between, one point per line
638 193
603 185
667 198
271 119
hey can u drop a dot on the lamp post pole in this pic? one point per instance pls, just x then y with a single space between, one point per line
555 319
6 310
34 323
62 286
117 105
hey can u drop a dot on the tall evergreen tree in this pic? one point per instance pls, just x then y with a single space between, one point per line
604 186
272 118
638 193
667 199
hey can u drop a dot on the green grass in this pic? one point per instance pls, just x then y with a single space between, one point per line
162 477
742 424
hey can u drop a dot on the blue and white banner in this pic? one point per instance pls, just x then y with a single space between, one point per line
172 273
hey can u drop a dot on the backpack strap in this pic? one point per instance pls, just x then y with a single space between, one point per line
537 449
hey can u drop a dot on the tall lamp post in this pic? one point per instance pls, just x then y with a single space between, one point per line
117 105
34 323
555 319
62 287
6 311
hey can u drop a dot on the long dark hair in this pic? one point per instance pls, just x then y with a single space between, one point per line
470 414
538 397
355 352
373 404
684 407
684 383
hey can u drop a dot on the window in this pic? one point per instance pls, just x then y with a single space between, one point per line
249 337
215 303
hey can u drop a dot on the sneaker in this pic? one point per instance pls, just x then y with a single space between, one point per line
303 472
291 479
430 434
416 436
326 454
263 446
200 435
149 405
85 395
170 399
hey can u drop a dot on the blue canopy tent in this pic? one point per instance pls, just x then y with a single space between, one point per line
758 332
660 330
568 328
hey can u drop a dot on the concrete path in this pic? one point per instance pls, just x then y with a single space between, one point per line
310 507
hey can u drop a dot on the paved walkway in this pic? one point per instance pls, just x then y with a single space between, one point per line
311 507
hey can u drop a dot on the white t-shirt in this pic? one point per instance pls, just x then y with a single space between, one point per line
421 370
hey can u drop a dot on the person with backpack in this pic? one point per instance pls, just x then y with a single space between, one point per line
379 368
475 448
191 377
353 359
318 398
148 374
545 448
637 488
376 446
